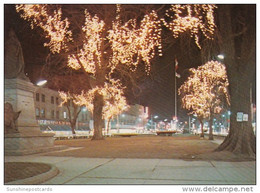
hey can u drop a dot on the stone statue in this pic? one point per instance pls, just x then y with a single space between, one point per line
10 118
13 57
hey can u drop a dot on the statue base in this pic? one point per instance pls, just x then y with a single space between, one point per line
24 144
29 139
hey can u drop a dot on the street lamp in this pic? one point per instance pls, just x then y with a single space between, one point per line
154 122
221 56
41 82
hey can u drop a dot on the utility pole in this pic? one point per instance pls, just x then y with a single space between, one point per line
176 75
189 125
175 93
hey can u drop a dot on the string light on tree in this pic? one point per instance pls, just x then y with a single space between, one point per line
131 44
115 101
89 57
192 18
56 29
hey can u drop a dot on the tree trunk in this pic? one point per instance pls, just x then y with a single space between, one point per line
201 126
73 119
210 129
241 139
73 126
97 116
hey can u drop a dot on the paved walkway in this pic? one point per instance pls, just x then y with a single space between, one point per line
144 171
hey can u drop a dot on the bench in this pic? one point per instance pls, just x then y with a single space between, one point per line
165 133
124 134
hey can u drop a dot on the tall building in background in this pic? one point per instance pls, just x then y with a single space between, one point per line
51 115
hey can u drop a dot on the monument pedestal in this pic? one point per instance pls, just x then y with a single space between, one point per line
24 144
29 139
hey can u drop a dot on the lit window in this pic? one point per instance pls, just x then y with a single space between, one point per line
37 112
42 112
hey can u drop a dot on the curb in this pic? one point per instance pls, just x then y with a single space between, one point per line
38 179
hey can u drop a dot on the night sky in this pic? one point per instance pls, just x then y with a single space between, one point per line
158 89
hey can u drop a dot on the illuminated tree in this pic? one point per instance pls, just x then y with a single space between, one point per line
68 83
205 92
100 39
114 101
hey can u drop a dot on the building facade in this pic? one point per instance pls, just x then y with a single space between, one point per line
53 117
134 118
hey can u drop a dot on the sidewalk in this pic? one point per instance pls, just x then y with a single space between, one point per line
144 171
